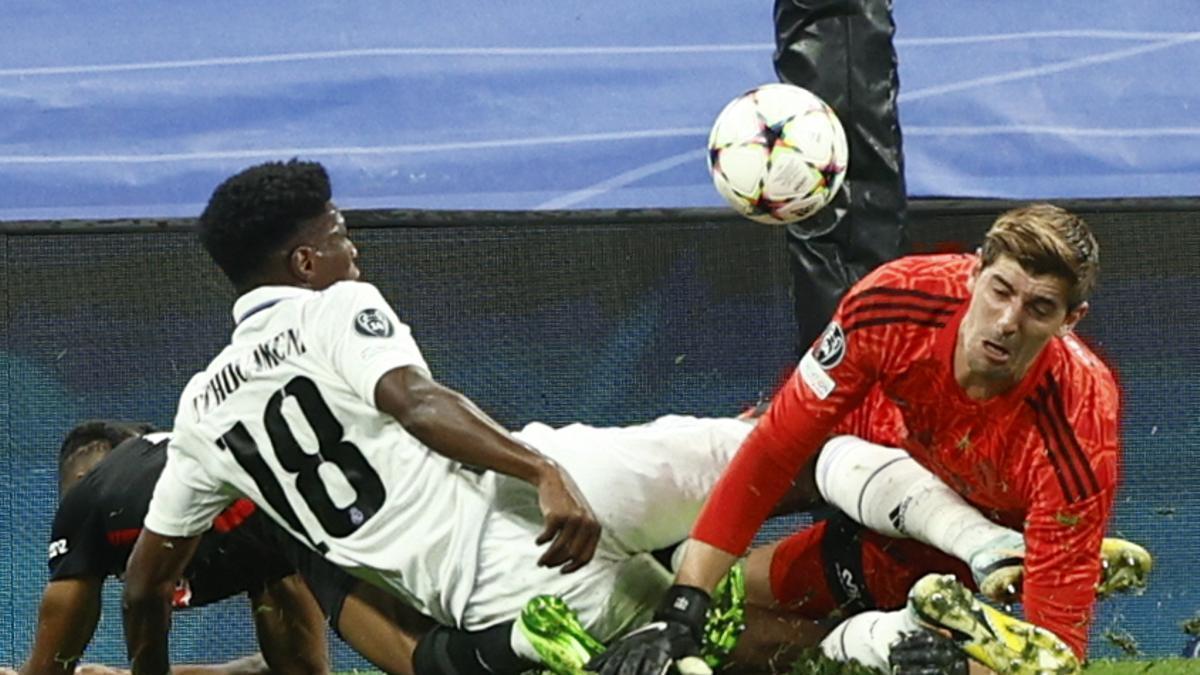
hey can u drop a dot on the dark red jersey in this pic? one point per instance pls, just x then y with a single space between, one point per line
1041 457
99 520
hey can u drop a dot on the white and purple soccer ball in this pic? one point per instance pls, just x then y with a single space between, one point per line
777 154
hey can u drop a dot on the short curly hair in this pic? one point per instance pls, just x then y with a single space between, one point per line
111 432
257 211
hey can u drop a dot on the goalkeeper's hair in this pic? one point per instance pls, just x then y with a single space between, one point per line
98 434
1047 239
256 212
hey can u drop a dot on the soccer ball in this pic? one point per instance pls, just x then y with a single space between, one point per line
777 154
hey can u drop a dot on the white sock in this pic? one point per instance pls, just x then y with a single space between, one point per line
868 637
521 645
887 491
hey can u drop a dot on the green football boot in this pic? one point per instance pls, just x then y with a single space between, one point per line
1001 642
562 643
726 618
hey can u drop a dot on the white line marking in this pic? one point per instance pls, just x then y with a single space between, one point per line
346 151
1034 129
1049 69
617 50
1073 34
385 52
621 180
625 178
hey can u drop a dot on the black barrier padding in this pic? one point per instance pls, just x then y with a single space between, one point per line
554 320
9 588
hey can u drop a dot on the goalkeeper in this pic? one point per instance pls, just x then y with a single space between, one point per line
970 365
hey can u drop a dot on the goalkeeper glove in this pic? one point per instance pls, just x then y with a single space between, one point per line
926 653
672 639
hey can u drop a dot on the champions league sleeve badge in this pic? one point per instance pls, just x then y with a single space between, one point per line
373 323
831 348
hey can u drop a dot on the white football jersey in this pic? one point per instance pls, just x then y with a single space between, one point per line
285 415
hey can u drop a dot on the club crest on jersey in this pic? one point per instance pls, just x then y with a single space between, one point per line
373 323
831 348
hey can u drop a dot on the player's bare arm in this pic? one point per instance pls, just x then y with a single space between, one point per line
67 619
452 425
154 566
703 566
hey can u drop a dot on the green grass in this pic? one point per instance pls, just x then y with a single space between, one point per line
1102 667
1166 666
1155 666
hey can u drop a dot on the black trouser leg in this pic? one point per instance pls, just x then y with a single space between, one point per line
842 51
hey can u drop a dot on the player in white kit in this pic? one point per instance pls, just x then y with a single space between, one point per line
322 411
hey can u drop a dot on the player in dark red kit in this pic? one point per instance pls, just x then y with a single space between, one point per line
968 364
107 472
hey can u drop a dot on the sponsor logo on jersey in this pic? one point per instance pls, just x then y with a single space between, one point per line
373 323
57 547
849 584
831 348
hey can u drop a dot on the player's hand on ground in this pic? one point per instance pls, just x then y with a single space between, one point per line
571 527
98 669
926 653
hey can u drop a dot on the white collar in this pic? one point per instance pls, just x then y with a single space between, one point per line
260 298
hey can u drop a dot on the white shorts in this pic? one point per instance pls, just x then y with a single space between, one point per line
645 483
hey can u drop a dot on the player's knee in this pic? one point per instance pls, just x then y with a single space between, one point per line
435 655
448 651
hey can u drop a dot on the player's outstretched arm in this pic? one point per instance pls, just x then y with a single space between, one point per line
150 575
67 619
452 425
290 627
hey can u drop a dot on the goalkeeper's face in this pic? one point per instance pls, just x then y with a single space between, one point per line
1012 315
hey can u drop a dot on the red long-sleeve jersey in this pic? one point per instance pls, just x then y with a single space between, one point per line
1041 457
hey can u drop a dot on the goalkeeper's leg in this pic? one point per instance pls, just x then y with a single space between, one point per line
799 587
886 490
838 567
940 603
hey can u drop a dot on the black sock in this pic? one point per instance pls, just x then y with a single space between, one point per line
449 651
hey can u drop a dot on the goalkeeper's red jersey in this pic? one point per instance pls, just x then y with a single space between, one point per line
1041 458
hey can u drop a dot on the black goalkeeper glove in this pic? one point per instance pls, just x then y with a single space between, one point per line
674 635
926 653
